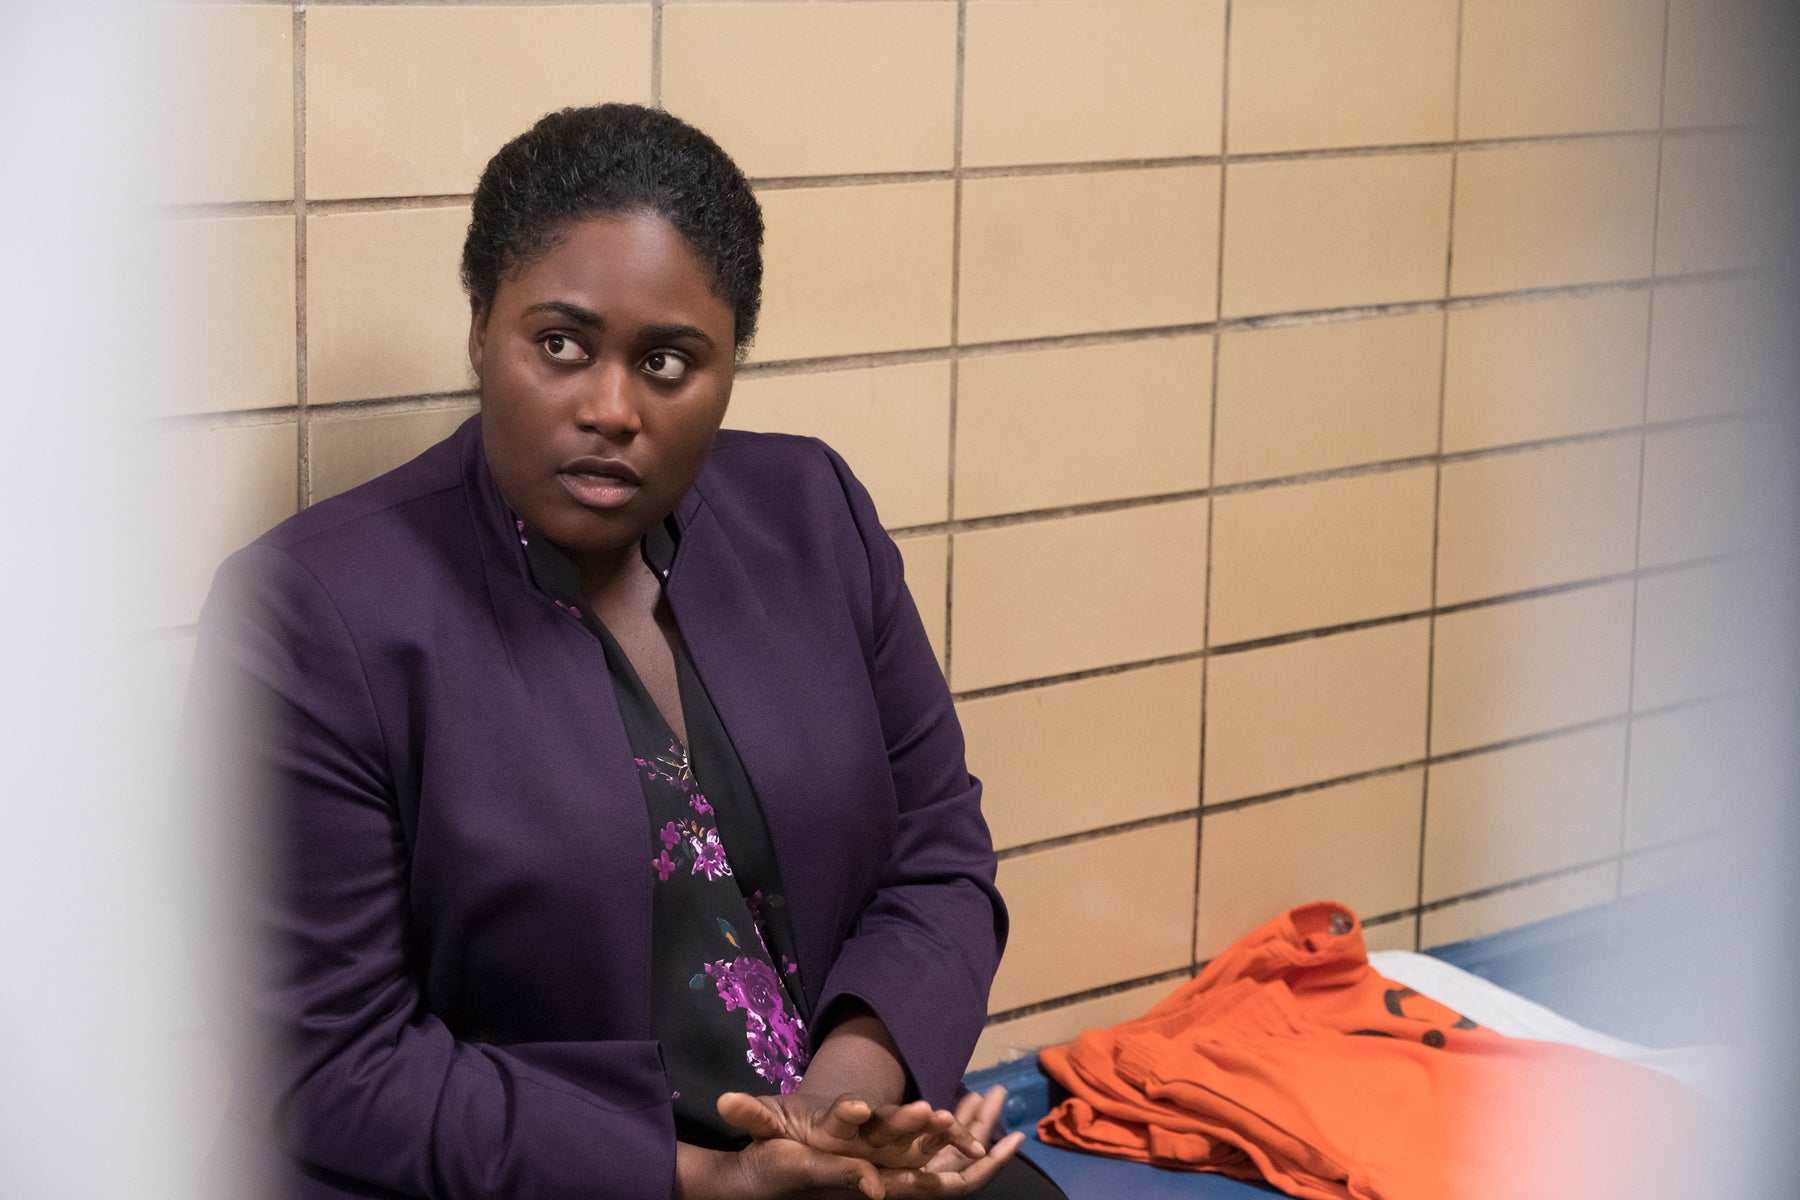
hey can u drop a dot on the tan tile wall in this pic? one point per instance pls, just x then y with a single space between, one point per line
1317 431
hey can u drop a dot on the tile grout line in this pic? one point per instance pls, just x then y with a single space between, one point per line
955 349
656 55
1257 800
873 359
423 401
1437 481
1087 994
1212 462
1100 992
302 377
1637 544
1023 170
1293 637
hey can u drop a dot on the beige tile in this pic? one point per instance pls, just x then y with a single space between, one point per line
1006 1041
1317 397
1125 901
1316 709
1528 666
413 100
1319 74
1683 864
1720 72
211 491
1711 346
1695 770
345 449
1554 213
1532 518
1391 935
1312 555
1357 844
1518 906
1708 489
926 560
1335 232
1088 80
1090 252
1046 428
852 270
1544 369
225 108
1049 597
1524 811
385 311
1064 759
891 424
225 331
1560 66
1716 193
1709 629
816 89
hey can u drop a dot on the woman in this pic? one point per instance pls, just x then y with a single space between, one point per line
621 839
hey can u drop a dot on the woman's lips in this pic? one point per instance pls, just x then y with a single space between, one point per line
595 489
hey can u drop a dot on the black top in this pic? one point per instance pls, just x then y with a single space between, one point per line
726 999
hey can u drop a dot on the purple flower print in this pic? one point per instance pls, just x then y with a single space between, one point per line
776 1038
671 836
709 856
665 866
701 805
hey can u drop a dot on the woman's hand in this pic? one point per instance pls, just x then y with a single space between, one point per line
900 1136
777 1169
951 1172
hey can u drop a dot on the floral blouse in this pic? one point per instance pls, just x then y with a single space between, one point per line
726 1002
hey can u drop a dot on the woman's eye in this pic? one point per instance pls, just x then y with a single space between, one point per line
563 349
665 365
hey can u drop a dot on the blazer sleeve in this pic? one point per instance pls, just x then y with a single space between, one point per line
923 952
352 1076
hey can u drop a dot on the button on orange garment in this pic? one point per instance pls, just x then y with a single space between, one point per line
1290 1059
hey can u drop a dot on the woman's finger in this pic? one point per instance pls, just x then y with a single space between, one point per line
987 1113
897 1124
781 1167
958 1134
926 1184
911 1135
967 1107
751 1115
845 1118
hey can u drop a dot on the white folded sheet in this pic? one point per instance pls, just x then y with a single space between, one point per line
1705 1068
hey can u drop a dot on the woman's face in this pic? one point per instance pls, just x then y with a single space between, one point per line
605 367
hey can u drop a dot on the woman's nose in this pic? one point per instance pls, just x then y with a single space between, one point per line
607 405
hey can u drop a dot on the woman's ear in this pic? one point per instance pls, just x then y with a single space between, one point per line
478 320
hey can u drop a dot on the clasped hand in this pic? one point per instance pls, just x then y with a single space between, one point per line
802 1144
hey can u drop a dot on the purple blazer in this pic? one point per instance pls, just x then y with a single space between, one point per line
460 892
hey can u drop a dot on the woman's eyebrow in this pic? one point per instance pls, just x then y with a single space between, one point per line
673 333
574 312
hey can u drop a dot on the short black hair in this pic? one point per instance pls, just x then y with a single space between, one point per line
615 159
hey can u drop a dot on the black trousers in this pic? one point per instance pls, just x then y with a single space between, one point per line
1021 1179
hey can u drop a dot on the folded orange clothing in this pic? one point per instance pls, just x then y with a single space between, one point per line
1290 1059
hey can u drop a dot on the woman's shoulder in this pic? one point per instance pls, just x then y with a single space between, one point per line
411 523
784 478
433 472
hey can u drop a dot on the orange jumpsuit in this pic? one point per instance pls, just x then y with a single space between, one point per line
1289 1059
